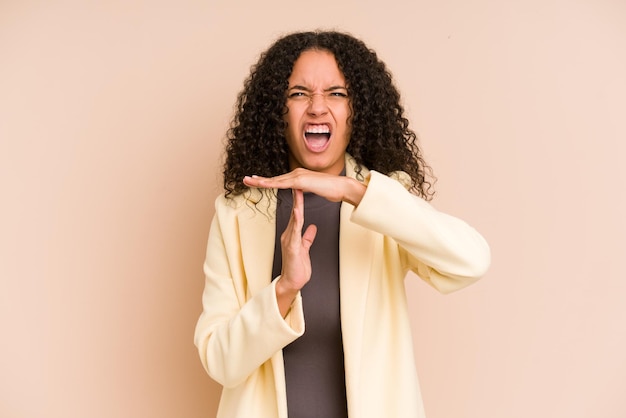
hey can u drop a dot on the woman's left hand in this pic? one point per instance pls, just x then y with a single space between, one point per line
328 186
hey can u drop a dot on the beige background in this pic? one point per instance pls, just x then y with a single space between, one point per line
112 115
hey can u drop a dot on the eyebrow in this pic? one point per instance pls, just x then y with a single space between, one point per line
331 88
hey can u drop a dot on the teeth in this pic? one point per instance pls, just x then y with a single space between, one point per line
317 129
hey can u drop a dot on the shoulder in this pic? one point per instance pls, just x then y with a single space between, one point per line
366 175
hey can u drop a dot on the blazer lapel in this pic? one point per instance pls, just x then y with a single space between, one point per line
257 231
356 250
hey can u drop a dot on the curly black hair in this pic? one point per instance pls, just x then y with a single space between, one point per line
381 139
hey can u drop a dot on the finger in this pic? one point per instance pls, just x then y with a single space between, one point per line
284 181
255 181
293 231
298 199
298 208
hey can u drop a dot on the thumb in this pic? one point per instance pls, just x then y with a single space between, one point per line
309 236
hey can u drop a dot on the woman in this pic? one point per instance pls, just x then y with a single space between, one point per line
324 212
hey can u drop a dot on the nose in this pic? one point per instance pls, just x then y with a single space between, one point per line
317 104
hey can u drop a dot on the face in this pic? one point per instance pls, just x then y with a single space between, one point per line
318 106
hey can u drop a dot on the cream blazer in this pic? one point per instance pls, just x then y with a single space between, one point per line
240 333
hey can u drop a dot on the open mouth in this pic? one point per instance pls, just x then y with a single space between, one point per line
317 137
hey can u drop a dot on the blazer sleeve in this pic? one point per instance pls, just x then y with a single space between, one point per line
443 250
236 333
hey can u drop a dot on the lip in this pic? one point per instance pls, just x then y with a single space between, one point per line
313 125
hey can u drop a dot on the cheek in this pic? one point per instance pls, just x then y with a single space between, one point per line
290 130
345 122
346 115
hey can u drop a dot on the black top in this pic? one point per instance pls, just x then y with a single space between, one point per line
314 368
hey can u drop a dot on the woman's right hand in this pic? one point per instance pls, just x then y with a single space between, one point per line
296 268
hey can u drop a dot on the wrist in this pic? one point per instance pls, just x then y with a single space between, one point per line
283 288
354 191
285 296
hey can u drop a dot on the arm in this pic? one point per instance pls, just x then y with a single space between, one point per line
443 250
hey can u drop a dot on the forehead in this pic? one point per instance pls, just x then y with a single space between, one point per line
316 68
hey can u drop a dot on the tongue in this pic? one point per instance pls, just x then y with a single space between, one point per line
316 141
